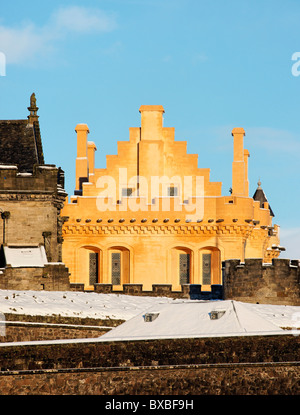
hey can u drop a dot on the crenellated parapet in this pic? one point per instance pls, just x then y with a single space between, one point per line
255 281
44 178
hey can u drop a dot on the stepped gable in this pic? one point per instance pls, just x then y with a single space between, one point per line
20 141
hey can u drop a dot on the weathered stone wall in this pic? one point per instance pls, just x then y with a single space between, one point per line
232 379
21 328
52 277
192 291
256 282
88 354
22 332
58 319
164 290
231 365
34 202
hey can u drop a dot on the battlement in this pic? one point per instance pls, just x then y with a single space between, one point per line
191 291
50 277
258 282
44 178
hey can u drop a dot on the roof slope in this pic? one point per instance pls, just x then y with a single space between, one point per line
20 140
20 144
260 196
187 319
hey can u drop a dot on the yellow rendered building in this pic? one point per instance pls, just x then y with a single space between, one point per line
153 217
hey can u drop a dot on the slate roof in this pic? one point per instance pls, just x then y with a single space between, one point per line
20 144
260 196
20 140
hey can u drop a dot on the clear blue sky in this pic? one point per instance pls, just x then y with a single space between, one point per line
213 65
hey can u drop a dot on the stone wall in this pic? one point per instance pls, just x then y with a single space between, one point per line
232 379
38 328
192 291
34 202
256 282
248 365
58 319
230 366
90 354
23 332
51 277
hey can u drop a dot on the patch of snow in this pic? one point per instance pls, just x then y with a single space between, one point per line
75 304
17 256
176 317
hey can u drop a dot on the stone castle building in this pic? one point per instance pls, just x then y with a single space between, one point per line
31 199
153 217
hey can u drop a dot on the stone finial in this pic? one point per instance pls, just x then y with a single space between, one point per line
259 184
33 100
33 109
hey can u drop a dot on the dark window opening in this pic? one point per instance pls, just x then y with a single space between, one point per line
184 269
116 268
206 269
127 191
172 191
94 258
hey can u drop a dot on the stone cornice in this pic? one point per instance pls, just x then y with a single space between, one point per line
30 196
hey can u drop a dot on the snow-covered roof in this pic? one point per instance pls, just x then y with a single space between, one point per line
188 319
251 318
24 256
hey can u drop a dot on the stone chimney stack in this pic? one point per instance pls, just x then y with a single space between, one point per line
240 186
151 122
91 159
246 156
82 165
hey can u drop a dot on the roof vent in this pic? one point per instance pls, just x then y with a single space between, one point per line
216 314
149 317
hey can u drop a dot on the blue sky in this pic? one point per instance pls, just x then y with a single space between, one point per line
213 65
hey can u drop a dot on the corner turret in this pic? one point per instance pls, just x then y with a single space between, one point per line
260 196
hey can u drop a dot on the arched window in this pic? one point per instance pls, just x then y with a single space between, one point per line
93 267
210 266
119 265
184 268
89 265
181 266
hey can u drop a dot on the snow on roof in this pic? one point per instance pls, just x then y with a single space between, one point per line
193 319
127 307
19 256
